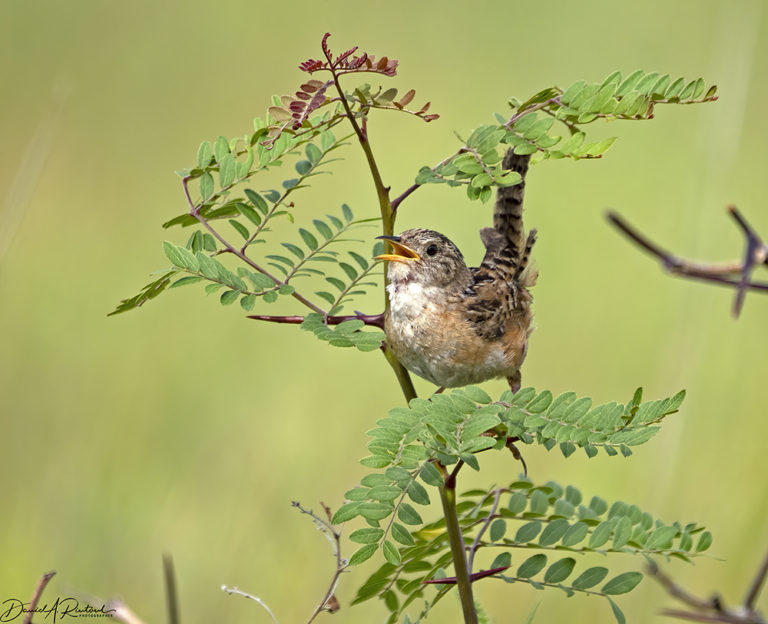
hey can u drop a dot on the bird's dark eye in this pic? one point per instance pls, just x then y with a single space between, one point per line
432 250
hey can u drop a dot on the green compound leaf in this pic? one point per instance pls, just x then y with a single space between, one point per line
622 583
363 554
184 281
150 291
523 503
532 566
408 515
206 186
346 512
347 334
560 570
401 534
498 529
502 560
204 154
591 577
366 536
705 541
617 613
528 532
391 553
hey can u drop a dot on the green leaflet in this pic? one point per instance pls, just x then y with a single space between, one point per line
347 334
415 448
423 551
451 427
456 423
538 126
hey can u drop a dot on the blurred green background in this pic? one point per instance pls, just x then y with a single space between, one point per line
185 428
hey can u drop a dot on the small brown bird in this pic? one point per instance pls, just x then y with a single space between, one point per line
455 325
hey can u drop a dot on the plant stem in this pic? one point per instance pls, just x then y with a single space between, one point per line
448 498
447 492
403 378
387 224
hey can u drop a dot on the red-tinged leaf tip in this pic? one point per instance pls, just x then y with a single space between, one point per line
310 65
344 55
301 109
326 49
431 117
357 61
406 99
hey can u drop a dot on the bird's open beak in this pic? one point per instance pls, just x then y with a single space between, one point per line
402 253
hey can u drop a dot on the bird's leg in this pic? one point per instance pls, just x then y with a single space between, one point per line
516 453
515 381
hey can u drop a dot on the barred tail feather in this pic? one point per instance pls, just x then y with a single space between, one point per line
523 264
508 212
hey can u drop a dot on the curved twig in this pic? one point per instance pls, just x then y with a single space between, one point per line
735 274
46 578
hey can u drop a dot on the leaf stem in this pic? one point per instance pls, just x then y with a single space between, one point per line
194 211
530 109
491 515
376 320
399 199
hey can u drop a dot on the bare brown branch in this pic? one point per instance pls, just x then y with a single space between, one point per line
757 584
46 578
735 274
712 609
329 602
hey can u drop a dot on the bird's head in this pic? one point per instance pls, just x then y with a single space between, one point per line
424 256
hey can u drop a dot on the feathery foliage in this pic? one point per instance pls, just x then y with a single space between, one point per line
455 427
556 521
234 251
414 447
531 127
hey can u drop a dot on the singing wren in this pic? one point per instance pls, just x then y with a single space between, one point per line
456 325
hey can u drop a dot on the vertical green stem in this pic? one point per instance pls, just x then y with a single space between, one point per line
448 498
387 226
448 491
406 385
